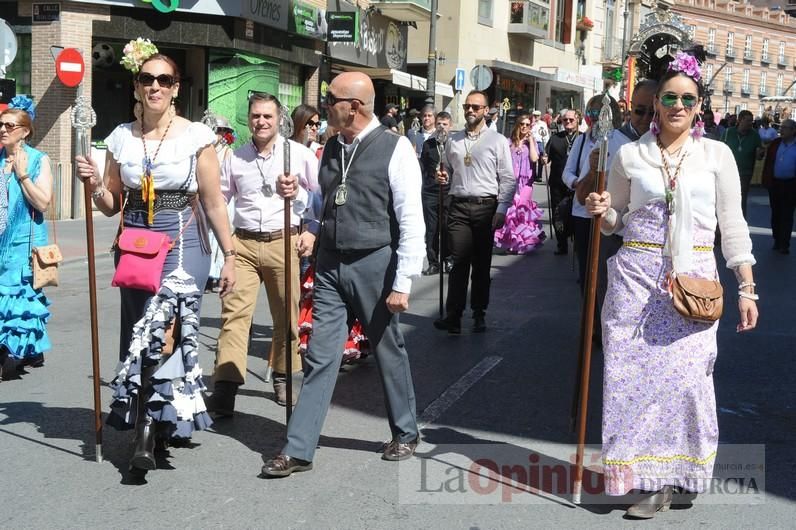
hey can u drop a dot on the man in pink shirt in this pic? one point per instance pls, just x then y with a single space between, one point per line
254 176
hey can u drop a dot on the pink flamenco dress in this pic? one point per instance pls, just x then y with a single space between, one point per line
522 231
356 346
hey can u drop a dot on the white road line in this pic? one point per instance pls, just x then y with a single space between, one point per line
454 392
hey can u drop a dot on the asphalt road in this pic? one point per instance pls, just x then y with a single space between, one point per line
503 396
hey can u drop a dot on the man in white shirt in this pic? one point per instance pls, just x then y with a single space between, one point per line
370 246
418 137
254 177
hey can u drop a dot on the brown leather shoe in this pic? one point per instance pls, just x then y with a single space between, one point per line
284 465
660 501
396 451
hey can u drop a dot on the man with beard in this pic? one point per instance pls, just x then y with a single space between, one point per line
556 154
482 186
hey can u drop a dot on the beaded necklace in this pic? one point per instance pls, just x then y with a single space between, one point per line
147 181
670 180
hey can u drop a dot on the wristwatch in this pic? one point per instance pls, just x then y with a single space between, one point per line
231 252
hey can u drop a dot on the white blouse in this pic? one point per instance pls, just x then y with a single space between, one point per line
708 190
175 166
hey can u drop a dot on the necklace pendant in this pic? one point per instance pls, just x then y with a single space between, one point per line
468 160
268 191
341 195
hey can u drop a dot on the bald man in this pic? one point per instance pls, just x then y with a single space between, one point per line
370 246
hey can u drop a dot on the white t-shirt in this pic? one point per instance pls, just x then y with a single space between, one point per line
175 166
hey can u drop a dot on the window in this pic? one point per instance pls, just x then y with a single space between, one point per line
485 12
730 39
764 53
747 47
19 70
763 82
781 57
728 74
746 78
711 37
708 72
780 81
563 22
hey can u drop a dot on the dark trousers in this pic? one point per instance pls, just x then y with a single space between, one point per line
359 282
746 182
782 198
557 194
581 228
470 239
430 215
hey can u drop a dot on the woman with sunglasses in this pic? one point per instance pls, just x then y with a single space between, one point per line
522 232
306 122
25 192
667 191
160 167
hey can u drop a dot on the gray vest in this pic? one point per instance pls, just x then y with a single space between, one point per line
366 221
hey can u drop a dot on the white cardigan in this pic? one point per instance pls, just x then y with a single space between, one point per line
708 188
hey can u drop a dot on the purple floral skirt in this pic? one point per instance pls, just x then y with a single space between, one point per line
659 406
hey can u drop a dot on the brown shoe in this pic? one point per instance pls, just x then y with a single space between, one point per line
222 402
660 501
396 451
280 390
284 465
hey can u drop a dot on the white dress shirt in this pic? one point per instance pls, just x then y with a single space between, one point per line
405 183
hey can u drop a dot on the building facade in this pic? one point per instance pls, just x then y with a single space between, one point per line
750 50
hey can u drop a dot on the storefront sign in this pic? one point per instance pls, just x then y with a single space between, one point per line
162 6
574 78
308 20
343 26
382 44
43 13
272 13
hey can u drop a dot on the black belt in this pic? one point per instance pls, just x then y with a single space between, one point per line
164 200
489 199
265 237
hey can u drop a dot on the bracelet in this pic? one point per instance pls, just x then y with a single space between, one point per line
746 284
231 252
748 296
98 193
22 178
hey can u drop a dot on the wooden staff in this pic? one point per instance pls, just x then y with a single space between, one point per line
286 130
83 119
442 138
587 315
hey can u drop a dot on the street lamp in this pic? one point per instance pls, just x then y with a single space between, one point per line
625 14
431 76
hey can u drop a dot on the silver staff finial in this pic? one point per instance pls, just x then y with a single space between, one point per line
605 123
83 119
285 123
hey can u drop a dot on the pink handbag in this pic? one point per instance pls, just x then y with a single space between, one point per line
143 254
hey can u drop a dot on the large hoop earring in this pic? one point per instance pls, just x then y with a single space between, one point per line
138 111
698 131
655 126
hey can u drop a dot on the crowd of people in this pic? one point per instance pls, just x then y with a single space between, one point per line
370 209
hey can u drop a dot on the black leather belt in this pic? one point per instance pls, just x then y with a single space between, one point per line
164 200
265 237
477 200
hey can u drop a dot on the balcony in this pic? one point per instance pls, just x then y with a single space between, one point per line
763 92
748 56
765 59
711 50
782 61
729 53
404 10
529 19
612 51
746 90
728 88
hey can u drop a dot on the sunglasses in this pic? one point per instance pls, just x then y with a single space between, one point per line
468 106
164 80
10 126
313 124
333 100
525 124
641 111
567 120
670 99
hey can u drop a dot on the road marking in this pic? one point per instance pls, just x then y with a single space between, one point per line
453 393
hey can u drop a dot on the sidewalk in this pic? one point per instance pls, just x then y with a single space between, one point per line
71 236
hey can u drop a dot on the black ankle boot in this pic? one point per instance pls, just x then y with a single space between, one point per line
144 452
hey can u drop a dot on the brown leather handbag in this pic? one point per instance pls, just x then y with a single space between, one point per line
696 298
44 260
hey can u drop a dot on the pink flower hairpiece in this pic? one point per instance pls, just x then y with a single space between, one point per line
686 64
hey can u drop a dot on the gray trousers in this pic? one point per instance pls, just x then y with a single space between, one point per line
360 283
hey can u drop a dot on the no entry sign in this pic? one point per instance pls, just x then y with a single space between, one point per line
69 67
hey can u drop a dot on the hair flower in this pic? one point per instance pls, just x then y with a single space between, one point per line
686 64
23 103
136 52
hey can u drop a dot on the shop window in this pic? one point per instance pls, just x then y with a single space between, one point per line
291 85
485 12
19 70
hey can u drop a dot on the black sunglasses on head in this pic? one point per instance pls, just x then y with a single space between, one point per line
164 80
